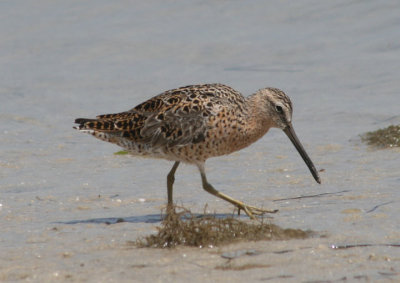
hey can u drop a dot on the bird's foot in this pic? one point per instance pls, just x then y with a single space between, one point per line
253 211
171 208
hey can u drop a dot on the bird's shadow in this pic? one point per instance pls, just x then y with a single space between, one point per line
149 218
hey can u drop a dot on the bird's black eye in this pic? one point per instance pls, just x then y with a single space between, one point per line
279 109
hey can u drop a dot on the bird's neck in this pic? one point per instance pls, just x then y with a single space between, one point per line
258 119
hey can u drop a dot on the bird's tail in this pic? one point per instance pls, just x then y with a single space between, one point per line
89 125
85 124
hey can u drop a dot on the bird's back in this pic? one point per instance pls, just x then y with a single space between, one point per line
189 123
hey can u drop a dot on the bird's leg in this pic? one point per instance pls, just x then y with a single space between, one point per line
250 210
170 183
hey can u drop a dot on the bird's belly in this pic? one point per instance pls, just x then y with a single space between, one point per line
212 146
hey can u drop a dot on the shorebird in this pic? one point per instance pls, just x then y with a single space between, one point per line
193 123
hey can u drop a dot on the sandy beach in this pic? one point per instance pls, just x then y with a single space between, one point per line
63 194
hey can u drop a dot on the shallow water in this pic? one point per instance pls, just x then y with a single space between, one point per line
59 189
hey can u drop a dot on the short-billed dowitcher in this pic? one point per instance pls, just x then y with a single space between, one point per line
193 123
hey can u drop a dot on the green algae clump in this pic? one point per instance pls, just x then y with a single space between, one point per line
384 138
185 229
121 152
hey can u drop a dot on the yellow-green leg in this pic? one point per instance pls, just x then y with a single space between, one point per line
170 182
248 209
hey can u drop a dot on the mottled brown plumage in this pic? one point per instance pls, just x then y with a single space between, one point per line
193 123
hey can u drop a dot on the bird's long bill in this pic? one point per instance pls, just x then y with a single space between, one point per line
289 131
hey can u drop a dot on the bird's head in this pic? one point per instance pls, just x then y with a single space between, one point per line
279 109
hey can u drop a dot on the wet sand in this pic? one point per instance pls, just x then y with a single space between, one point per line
63 194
